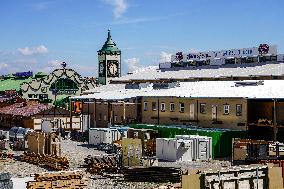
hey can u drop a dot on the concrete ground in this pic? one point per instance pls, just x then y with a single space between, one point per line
76 152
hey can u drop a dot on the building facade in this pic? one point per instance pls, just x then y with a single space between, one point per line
59 84
230 113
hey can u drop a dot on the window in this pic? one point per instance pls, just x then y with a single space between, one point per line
145 106
202 108
154 106
226 109
115 118
239 110
105 117
172 107
163 107
181 107
100 117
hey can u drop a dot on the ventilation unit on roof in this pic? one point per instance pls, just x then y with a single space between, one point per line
136 85
165 85
248 83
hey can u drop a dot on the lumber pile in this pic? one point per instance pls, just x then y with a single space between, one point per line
66 179
152 174
101 164
52 161
5 181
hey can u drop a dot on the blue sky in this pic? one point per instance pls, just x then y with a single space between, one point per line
38 35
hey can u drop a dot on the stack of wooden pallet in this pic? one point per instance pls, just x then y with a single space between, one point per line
101 164
152 174
51 161
66 179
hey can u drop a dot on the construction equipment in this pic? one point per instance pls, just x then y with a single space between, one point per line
66 179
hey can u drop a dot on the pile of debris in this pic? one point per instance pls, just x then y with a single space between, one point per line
51 161
152 174
102 164
6 155
255 151
5 181
108 148
4 144
68 179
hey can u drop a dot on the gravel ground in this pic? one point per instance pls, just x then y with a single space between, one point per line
77 151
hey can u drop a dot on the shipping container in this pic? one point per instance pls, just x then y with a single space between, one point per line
172 149
103 135
221 138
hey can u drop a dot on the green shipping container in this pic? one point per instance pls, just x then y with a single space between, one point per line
221 138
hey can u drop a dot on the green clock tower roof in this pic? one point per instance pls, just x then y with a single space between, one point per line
109 46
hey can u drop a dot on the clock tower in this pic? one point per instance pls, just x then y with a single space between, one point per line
109 58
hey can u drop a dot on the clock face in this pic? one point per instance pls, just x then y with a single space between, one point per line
113 70
101 69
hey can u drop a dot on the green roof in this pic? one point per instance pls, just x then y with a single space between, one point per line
40 74
9 76
12 84
109 45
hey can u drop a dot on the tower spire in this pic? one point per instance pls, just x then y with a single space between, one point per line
108 35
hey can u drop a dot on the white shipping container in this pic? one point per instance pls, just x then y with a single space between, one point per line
174 150
103 135
202 146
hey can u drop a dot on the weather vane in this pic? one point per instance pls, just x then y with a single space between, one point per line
63 64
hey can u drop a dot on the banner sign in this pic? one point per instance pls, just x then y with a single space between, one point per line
263 49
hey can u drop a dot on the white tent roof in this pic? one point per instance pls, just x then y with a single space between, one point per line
153 72
199 89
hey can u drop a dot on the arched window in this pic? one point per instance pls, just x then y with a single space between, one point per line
64 84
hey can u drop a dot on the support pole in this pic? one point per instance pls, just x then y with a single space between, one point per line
275 129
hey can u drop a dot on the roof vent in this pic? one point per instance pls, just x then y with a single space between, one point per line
248 83
165 85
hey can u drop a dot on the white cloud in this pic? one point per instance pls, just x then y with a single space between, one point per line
192 50
120 7
3 65
54 63
41 5
165 57
33 50
132 64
